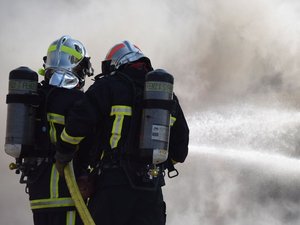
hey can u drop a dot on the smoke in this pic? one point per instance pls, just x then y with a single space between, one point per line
230 50
236 70
250 50
230 187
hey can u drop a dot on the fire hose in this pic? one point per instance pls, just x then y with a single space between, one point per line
76 195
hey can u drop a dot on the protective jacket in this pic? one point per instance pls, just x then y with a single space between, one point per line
108 107
47 190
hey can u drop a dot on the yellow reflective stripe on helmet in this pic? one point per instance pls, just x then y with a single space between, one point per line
71 51
54 179
69 139
119 111
51 203
172 120
53 119
52 48
71 217
66 49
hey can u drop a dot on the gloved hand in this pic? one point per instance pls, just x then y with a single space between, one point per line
62 160
86 186
60 166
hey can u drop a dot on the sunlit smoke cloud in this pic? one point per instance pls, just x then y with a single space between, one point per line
238 49
220 53
228 50
233 187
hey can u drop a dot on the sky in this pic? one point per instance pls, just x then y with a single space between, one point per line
235 62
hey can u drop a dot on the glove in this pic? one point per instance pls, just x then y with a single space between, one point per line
86 186
60 166
61 160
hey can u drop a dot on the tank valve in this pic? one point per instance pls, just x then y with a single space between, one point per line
154 172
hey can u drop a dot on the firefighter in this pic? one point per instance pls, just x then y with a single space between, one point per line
65 68
128 189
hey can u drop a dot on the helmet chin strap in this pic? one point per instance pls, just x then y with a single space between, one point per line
80 84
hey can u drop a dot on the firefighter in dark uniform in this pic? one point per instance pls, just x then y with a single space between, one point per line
128 190
66 66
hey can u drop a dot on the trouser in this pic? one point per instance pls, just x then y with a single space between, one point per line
123 205
56 218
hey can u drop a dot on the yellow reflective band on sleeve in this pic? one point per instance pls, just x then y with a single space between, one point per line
54 179
51 203
56 118
119 111
71 217
172 120
69 139
53 119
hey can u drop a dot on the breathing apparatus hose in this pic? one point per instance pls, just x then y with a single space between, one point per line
76 195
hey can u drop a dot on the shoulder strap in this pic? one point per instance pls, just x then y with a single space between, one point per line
130 147
43 143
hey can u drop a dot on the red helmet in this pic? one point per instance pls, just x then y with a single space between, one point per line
121 54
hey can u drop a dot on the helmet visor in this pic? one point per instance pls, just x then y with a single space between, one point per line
63 79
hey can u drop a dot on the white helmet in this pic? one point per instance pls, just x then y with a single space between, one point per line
67 63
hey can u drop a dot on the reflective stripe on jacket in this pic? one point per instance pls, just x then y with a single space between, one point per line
49 191
107 108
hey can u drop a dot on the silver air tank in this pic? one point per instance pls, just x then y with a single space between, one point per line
155 125
20 123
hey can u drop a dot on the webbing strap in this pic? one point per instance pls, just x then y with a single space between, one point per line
158 104
23 98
